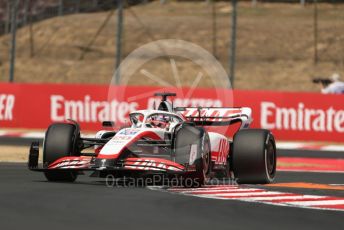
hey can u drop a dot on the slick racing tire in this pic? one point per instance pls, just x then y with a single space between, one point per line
61 140
254 156
192 147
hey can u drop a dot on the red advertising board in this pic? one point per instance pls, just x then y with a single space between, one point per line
296 116
291 116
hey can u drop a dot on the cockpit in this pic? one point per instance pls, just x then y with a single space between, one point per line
154 119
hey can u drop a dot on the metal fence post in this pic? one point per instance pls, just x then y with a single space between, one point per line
95 4
214 27
77 6
26 11
8 17
302 2
32 44
60 7
233 44
119 39
14 8
315 21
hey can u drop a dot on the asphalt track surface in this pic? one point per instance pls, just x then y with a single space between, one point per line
27 201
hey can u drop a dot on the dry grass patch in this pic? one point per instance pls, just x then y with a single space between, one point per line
274 46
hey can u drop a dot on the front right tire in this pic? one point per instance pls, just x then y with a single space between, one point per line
186 138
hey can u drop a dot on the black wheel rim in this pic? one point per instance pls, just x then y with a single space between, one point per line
270 158
206 158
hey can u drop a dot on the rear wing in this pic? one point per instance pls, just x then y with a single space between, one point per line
217 116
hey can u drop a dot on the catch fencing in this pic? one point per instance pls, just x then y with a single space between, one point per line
280 45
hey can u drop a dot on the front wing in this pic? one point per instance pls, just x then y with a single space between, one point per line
91 163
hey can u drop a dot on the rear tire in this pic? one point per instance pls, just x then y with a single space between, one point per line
61 140
254 156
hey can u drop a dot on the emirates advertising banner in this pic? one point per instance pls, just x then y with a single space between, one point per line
289 115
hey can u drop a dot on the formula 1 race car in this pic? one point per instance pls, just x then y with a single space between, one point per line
167 141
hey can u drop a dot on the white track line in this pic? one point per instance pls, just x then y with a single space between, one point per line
244 194
264 196
316 202
335 148
288 196
33 135
309 171
301 145
2 133
204 189
223 190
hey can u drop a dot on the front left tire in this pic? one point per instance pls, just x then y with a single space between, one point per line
61 140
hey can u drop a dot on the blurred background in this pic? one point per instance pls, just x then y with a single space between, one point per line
279 45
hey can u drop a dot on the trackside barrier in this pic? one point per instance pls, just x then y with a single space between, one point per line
290 115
